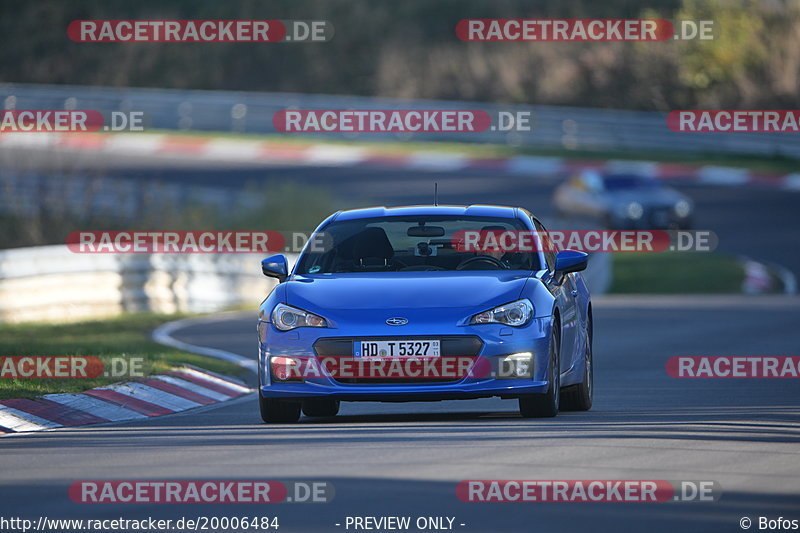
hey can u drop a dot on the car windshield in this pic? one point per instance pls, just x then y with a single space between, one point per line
412 243
618 183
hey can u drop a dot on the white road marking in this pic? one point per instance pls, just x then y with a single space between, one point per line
163 335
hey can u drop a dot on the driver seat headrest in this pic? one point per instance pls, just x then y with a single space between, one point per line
372 243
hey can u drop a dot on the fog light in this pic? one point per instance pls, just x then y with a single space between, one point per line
516 366
285 369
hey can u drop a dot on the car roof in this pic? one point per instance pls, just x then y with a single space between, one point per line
498 211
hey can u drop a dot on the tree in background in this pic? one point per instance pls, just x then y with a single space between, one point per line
409 50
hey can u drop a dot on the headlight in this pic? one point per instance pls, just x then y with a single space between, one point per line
285 317
634 211
682 208
516 313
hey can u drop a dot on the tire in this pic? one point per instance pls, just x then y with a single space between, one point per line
546 405
579 397
320 407
277 411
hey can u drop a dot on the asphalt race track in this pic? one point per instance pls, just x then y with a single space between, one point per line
405 459
756 221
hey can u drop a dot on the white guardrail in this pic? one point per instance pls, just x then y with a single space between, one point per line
53 284
252 112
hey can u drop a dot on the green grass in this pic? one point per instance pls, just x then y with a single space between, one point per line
126 336
767 164
676 273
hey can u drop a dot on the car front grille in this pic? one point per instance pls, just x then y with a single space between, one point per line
451 345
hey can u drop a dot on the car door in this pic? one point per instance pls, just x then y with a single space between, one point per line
564 289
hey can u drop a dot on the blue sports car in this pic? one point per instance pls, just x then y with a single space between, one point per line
390 307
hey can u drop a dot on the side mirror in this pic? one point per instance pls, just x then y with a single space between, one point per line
275 267
570 261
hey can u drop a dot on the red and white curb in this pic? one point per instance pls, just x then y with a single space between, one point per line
222 149
175 391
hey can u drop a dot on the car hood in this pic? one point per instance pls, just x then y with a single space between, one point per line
405 290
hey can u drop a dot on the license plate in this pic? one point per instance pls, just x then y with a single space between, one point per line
397 348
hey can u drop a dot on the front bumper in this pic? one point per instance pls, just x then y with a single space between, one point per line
406 393
496 341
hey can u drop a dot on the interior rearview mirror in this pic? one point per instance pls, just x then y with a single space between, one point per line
425 231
